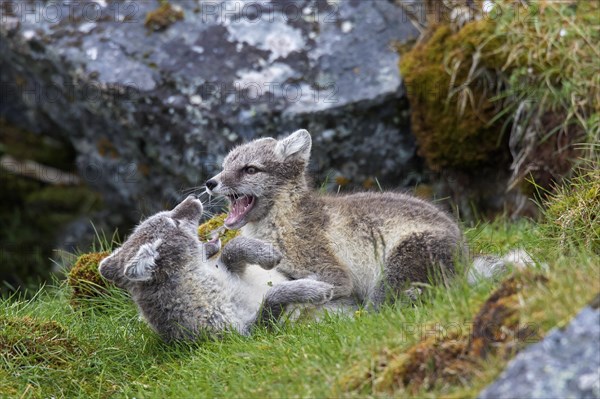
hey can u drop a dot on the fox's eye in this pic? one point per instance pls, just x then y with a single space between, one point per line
250 170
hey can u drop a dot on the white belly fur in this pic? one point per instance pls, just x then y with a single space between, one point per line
258 281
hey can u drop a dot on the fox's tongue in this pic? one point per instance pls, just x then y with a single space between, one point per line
239 208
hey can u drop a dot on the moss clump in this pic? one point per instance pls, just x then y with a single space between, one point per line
25 340
523 79
551 52
496 328
572 216
427 363
106 148
163 17
450 79
85 279
216 225
453 358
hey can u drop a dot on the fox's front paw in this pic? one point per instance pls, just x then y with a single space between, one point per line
212 247
270 257
326 294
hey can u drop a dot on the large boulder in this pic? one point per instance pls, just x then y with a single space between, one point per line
153 95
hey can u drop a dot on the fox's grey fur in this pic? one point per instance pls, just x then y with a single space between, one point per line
242 251
182 294
367 245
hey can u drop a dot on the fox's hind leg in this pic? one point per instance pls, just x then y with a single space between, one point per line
303 291
423 257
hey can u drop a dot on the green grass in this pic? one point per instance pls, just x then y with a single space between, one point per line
551 50
573 211
104 350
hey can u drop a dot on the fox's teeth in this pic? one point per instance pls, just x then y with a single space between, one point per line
241 204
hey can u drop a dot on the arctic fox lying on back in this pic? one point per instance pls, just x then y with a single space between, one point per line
183 294
367 245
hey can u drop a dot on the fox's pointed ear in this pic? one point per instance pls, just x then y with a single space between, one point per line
142 265
295 145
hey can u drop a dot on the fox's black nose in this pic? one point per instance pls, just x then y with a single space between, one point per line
211 184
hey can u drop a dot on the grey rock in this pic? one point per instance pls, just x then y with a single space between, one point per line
152 114
565 364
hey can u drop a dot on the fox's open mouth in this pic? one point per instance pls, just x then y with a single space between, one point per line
240 206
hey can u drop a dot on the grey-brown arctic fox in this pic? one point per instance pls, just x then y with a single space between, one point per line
367 245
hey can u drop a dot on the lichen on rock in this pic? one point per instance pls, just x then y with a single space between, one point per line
166 107
163 17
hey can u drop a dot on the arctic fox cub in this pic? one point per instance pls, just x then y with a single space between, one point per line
367 245
182 294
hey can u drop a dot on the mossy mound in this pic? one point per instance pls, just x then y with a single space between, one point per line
489 97
163 17
216 225
85 279
450 78
25 340
496 328
426 363
452 357
572 215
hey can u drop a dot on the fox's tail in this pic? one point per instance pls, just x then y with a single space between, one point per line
490 266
